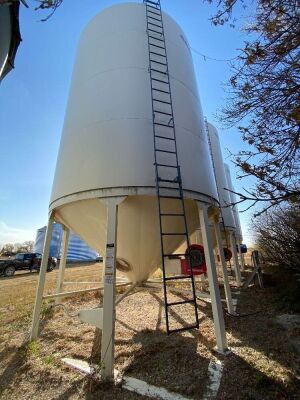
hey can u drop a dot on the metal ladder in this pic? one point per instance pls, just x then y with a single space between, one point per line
167 173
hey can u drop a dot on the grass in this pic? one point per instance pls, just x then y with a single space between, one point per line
33 349
286 288
49 360
288 299
47 310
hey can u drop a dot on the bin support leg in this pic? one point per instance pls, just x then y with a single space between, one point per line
224 268
242 261
62 263
218 316
235 260
41 282
109 280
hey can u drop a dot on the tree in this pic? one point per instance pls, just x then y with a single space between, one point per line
18 247
264 99
28 245
25 247
8 247
41 5
278 235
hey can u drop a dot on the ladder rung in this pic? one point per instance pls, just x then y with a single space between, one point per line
186 328
159 47
164 137
171 215
152 12
173 233
157 54
175 198
152 30
177 277
159 80
163 112
156 19
158 62
160 90
166 165
176 303
154 8
166 151
160 124
156 3
155 38
158 26
174 255
162 101
168 180
158 70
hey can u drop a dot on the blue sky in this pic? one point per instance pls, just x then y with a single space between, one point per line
33 100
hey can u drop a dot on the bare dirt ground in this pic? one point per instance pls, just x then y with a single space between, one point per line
262 365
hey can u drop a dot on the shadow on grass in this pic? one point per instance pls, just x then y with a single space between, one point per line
251 383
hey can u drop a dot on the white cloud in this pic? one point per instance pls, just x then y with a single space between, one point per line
9 234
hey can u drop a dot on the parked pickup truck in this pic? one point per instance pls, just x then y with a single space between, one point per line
23 261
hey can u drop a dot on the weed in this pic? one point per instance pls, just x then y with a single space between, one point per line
32 349
49 360
47 309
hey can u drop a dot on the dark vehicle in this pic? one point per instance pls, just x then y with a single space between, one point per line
23 261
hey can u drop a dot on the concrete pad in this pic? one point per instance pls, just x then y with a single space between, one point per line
80 365
215 370
144 389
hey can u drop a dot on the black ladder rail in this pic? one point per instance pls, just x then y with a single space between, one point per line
155 21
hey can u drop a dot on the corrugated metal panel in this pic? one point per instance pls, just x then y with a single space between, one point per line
78 250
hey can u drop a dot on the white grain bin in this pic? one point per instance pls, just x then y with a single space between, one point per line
238 232
224 195
106 148
229 228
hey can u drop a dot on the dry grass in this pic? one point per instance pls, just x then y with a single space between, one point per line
262 365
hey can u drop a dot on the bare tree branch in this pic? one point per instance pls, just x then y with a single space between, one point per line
264 100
